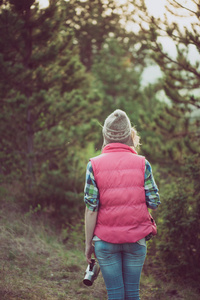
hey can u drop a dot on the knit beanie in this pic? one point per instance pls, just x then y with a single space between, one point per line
117 128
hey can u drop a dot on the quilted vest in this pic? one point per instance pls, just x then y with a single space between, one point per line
123 216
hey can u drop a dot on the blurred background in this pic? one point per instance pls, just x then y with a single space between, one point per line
64 67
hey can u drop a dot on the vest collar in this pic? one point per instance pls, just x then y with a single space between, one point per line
118 147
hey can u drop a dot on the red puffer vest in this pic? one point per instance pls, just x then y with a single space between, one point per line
123 216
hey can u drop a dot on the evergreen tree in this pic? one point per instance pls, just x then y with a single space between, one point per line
177 129
118 79
93 22
108 51
179 120
46 101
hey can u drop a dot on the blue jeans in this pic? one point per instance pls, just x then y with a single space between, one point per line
121 266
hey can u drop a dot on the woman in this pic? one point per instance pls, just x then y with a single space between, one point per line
119 190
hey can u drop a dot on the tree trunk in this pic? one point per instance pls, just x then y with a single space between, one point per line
30 152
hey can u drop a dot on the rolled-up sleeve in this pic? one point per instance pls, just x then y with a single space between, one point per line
151 189
91 192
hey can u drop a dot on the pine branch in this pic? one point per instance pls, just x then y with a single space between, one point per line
186 133
169 32
174 13
177 99
164 55
189 146
180 5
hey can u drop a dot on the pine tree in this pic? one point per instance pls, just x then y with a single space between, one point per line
95 22
109 54
177 128
118 79
179 120
46 101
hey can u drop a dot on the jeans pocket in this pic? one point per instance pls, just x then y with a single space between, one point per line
142 242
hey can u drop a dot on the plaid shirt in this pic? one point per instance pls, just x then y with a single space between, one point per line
92 193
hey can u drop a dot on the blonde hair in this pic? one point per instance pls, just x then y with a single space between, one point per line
135 137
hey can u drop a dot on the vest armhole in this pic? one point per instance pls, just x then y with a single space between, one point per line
143 164
93 166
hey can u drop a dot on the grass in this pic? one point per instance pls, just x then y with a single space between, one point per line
38 262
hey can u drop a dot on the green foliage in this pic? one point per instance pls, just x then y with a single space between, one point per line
75 62
179 243
118 80
178 121
47 103
116 77
173 134
93 23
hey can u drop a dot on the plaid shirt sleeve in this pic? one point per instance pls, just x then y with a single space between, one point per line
151 189
91 191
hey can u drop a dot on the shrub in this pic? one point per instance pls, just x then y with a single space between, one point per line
179 243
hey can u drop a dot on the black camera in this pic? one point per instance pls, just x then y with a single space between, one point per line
91 273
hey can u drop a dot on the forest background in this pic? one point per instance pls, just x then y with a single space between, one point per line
64 69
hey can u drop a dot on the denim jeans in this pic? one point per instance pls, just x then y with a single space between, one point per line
121 266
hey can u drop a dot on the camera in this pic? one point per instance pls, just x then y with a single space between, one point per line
91 273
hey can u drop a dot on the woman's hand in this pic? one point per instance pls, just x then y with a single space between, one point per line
89 250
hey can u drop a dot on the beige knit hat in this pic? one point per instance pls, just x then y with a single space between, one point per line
117 128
